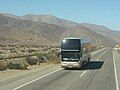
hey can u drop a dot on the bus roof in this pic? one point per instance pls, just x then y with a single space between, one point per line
82 39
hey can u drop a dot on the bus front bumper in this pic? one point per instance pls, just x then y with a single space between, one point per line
70 65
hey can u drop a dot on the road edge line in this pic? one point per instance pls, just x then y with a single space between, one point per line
115 71
36 79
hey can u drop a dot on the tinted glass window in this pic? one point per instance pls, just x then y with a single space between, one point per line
70 44
66 56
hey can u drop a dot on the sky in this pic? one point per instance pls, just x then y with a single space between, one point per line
101 12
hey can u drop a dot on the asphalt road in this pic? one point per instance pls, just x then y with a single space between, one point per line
101 73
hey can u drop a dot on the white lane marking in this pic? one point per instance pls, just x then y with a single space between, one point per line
102 55
82 73
97 51
96 60
36 79
116 77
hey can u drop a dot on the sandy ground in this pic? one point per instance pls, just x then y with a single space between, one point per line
7 75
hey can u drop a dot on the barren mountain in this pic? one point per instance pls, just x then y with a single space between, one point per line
27 31
100 29
45 18
84 32
44 29
104 31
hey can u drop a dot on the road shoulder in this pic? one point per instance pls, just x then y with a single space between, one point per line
116 60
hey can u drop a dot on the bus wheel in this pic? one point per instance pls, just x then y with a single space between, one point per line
82 65
88 59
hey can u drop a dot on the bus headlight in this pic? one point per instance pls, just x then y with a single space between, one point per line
64 41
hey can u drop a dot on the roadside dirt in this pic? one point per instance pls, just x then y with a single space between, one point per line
11 75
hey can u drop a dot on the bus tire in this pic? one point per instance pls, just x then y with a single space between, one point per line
82 65
88 59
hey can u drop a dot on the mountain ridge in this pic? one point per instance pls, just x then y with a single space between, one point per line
48 30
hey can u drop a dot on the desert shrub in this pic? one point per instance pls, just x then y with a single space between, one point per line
52 58
22 50
58 54
3 65
1 57
42 57
19 63
45 57
32 60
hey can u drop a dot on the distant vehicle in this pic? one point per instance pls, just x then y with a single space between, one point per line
117 47
75 52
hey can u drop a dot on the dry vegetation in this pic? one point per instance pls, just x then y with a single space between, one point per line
22 56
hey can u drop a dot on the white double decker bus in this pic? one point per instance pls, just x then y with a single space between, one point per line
75 52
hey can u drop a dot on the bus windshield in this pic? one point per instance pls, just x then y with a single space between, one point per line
70 44
70 56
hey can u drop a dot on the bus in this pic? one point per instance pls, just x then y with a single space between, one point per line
75 52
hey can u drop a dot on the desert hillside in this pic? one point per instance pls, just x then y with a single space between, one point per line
50 30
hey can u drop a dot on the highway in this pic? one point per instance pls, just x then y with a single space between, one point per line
101 73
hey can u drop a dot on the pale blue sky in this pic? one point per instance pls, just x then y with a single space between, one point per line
105 12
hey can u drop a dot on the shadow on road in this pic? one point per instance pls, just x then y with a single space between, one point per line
93 65
90 66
